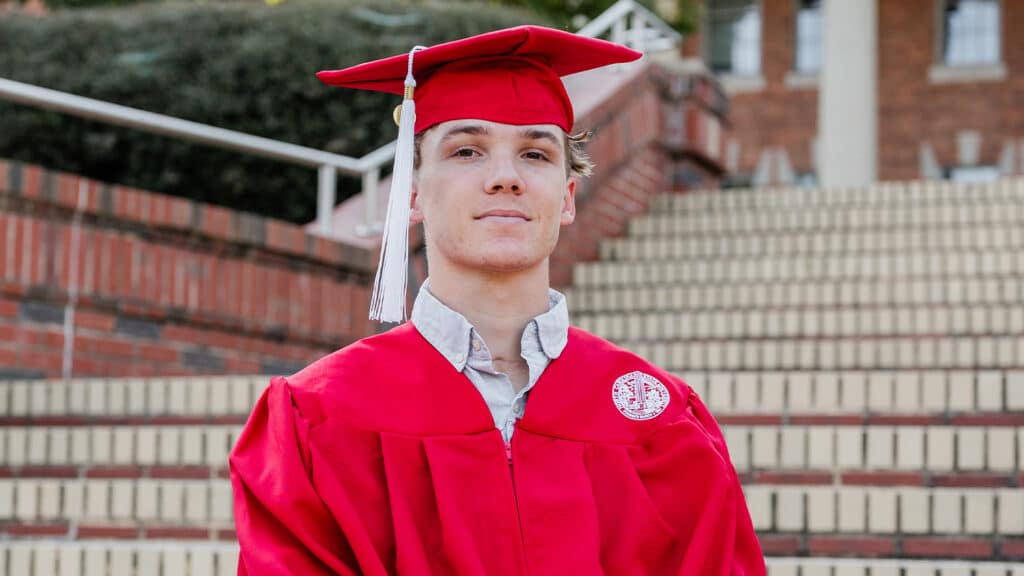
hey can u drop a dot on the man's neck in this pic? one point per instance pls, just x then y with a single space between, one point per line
499 306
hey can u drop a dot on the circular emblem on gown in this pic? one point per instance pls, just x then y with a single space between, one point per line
639 396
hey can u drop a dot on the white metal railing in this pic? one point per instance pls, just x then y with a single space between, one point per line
328 164
625 22
630 23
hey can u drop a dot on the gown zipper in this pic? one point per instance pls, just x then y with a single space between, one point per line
515 499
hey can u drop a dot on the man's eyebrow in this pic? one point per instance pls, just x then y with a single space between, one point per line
471 129
540 134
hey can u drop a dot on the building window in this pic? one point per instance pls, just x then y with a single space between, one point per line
970 32
808 36
734 28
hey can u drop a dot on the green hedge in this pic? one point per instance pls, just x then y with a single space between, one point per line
243 66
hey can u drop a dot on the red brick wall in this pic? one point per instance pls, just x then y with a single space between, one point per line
779 116
912 110
166 286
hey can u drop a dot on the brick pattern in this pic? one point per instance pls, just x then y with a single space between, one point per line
912 110
98 557
164 285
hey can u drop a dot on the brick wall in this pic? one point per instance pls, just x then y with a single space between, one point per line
912 109
165 286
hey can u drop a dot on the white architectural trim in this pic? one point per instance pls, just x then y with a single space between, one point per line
740 83
801 80
705 45
939 36
942 74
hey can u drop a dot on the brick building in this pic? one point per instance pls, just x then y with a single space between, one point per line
928 89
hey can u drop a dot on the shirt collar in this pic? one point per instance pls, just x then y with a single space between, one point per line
450 333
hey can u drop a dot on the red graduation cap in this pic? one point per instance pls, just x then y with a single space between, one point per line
510 76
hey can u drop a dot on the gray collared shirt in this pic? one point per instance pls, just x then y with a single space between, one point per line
455 338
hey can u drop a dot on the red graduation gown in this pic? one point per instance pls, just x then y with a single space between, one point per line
382 459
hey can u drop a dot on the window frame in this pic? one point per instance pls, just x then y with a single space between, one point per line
794 70
735 81
940 37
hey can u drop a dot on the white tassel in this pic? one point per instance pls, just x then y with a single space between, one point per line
387 303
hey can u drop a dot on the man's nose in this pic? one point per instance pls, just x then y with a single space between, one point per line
504 177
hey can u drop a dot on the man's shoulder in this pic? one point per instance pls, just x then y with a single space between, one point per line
364 356
352 372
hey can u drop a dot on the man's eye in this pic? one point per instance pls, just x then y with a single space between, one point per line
535 155
465 153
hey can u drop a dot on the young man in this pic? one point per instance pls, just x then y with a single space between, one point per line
487 436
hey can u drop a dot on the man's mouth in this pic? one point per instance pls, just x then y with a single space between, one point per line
503 215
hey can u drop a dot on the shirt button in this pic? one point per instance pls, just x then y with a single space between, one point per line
476 345
459 358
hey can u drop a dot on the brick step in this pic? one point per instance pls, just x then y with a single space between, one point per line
888 197
951 252
808 324
805 271
128 507
180 472
847 353
765 309
771 443
122 530
122 506
882 510
783 566
973 231
102 558
923 451
960 396
116 558
205 400
881 478
787 476
991 397
925 547
98 447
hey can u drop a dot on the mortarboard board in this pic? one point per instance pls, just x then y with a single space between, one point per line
510 76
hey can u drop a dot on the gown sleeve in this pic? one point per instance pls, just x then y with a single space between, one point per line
283 526
728 538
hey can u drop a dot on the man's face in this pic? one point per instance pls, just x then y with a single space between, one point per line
493 196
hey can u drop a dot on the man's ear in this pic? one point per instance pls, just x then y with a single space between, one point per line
569 202
416 213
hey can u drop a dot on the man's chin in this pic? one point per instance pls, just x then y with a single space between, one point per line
503 262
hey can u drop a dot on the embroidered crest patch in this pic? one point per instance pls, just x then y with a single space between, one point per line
639 396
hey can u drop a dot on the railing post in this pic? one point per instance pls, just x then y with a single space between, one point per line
371 223
619 31
638 31
326 190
